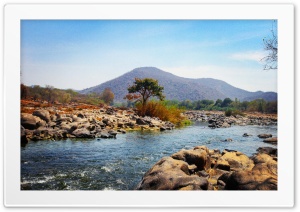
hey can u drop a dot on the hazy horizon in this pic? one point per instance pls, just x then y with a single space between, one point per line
83 53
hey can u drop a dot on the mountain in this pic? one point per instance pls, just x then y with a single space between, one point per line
180 88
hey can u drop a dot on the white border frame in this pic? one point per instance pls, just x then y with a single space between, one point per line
14 197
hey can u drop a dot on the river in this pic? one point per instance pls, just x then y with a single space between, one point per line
119 164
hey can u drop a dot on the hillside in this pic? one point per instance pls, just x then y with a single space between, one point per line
179 88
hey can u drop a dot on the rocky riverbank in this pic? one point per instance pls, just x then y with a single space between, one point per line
201 168
51 123
217 119
40 122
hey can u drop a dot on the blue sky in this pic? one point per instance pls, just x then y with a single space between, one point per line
83 53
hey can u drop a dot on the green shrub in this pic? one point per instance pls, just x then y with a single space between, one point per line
186 122
228 112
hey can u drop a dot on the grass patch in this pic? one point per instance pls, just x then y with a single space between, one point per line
186 122
163 112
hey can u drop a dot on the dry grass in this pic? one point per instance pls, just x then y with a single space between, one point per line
157 109
86 106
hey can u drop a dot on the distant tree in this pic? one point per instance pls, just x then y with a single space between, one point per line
271 107
64 97
107 96
244 105
49 93
261 105
143 89
271 46
236 104
187 104
226 102
24 91
218 103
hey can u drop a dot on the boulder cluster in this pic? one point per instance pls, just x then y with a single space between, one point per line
219 120
203 169
48 124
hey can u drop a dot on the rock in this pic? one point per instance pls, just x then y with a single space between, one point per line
28 121
259 178
110 111
122 131
202 174
59 134
106 121
80 115
271 140
162 128
222 164
82 133
195 156
246 135
171 174
221 183
237 161
264 135
69 127
141 121
31 122
145 127
212 125
224 177
24 139
228 140
263 158
104 134
41 134
120 124
267 150
263 175
51 124
192 168
225 125
113 133
43 114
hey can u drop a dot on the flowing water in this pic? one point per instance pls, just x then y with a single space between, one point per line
119 164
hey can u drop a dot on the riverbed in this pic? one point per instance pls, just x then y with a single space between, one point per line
119 164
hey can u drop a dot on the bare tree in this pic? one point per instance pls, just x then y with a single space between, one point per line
271 46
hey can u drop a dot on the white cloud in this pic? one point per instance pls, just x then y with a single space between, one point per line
249 55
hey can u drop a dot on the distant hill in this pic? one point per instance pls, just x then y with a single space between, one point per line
180 88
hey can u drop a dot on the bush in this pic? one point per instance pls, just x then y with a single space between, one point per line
186 122
158 109
230 112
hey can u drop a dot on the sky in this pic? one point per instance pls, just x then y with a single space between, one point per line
80 54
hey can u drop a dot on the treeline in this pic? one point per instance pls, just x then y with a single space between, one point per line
54 95
258 105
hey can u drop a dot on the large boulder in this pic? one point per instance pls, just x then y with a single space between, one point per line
261 177
271 140
82 133
43 114
171 174
267 150
31 122
264 135
236 161
141 121
197 156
